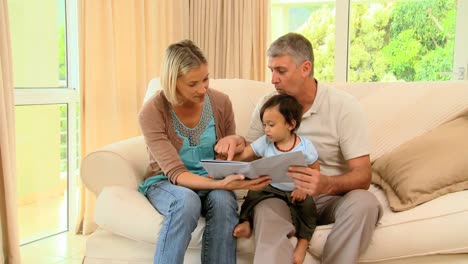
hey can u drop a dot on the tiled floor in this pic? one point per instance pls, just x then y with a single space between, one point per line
64 248
42 218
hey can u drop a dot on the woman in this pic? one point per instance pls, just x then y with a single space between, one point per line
181 125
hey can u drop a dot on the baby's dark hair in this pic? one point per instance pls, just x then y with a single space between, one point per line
288 106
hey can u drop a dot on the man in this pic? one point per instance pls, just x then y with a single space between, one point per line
335 123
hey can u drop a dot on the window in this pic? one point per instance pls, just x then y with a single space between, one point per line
374 41
44 47
316 21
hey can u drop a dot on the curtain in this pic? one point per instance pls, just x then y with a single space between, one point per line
121 46
9 232
233 35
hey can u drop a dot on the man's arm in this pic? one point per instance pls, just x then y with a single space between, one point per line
313 183
358 177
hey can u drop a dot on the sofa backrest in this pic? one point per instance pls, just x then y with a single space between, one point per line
396 111
244 95
400 111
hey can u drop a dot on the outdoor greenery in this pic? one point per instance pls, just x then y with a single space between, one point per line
389 40
63 138
62 53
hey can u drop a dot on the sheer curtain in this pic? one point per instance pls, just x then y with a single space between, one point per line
121 46
9 232
233 35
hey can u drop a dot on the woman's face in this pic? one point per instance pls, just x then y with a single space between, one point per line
192 87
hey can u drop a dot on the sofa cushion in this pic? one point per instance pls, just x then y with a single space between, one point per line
425 167
436 227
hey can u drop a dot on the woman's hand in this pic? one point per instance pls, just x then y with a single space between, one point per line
309 180
238 182
228 146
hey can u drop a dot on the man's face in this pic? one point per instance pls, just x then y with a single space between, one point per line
286 76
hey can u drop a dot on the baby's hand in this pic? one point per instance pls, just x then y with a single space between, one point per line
298 195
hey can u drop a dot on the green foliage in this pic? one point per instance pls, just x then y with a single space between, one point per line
320 30
63 138
422 35
426 18
430 67
391 40
62 54
368 34
403 53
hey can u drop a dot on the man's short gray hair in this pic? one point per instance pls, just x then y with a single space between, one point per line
295 45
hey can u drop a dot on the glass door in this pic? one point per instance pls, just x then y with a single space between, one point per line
45 78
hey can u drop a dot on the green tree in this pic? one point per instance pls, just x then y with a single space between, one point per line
368 34
422 36
392 40
434 63
62 53
320 30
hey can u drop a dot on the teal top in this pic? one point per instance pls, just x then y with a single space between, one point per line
198 143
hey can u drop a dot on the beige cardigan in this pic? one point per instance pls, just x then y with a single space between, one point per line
162 142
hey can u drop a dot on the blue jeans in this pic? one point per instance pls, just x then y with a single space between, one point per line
181 208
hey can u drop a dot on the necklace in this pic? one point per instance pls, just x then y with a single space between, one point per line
287 150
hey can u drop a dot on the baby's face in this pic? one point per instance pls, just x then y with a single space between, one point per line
275 126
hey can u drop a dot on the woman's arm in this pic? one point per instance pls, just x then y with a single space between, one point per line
161 140
228 145
231 182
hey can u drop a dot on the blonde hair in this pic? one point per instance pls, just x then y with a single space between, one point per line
179 59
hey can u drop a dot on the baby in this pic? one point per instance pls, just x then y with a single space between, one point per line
281 116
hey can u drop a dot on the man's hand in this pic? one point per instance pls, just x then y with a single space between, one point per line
238 182
298 196
229 146
309 180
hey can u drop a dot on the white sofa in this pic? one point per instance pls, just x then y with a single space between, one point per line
433 232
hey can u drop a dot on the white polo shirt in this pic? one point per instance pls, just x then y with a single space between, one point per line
336 125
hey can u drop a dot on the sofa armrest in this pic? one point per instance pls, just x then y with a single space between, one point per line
122 163
127 212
